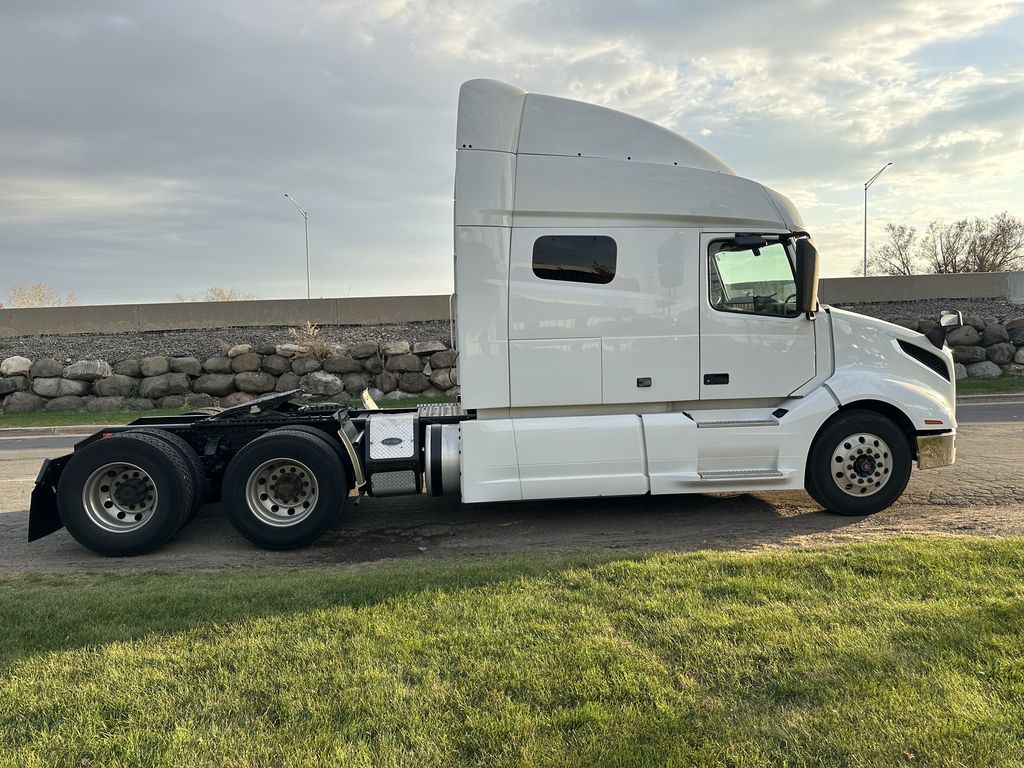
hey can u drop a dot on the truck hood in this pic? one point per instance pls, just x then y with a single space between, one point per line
871 363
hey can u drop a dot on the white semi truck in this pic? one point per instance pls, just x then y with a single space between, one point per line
631 317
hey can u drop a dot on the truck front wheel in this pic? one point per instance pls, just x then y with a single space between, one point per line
859 463
284 489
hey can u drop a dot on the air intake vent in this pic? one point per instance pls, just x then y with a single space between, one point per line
925 357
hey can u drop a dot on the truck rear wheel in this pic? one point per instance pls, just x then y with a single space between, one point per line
284 489
125 495
191 459
859 464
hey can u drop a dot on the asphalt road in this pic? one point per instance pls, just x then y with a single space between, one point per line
982 495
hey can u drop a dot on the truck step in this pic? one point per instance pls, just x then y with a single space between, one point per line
440 411
741 474
737 423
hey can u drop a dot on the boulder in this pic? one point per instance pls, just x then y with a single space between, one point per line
336 350
1019 357
10 384
373 364
287 382
1001 353
994 334
1017 322
427 347
171 401
342 364
246 362
275 364
47 368
240 349
304 365
138 404
959 371
15 366
189 365
255 382
984 370
155 365
238 398
321 383
387 382
355 383
446 378
973 321
396 348
116 385
265 349
964 336
200 400
375 394
445 359
413 382
363 350
967 355
128 368
218 364
105 404
1017 335
23 402
66 403
397 395
1013 369
214 384
291 350
405 363
88 370
156 387
54 387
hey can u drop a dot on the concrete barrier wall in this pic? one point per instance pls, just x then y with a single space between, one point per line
871 290
381 310
376 310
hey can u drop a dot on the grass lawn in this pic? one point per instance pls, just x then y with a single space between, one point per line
1002 386
904 652
72 418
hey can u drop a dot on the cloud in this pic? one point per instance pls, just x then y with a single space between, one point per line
155 141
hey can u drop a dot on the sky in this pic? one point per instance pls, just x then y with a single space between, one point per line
146 146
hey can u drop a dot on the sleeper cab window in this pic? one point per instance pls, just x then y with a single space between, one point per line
752 281
575 258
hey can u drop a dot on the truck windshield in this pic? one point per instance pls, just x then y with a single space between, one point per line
759 282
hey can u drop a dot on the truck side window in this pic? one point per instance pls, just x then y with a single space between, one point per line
759 283
575 258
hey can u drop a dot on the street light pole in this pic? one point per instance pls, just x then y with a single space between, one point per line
867 185
305 222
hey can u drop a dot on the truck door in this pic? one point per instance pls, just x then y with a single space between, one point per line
753 342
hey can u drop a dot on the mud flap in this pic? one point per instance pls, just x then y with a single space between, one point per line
43 516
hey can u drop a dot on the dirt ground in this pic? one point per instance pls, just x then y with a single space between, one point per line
981 495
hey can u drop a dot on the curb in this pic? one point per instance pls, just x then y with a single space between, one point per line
980 399
79 430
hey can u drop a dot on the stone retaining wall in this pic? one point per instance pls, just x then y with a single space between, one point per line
392 371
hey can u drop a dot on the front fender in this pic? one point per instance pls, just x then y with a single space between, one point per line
922 405
43 515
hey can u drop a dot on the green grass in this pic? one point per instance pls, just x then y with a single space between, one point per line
1004 385
73 418
904 652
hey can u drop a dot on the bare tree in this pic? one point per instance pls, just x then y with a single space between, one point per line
38 295
216 293
898 255
975 245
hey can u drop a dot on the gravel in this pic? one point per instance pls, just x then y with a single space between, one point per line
895 311
114 347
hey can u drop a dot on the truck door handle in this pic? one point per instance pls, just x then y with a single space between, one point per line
716 378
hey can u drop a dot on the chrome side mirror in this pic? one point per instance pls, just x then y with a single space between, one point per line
951 318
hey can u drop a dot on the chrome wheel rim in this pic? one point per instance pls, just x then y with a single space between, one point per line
861 464
120 497
282 492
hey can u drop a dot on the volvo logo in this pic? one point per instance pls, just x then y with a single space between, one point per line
391 441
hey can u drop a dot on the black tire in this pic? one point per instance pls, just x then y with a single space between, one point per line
333 443
147 463
191 458
859 463
290 509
